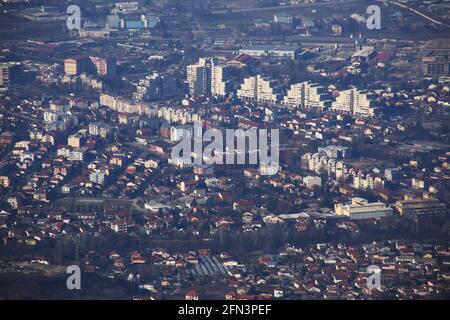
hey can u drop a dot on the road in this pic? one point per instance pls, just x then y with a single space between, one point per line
423 15
304 5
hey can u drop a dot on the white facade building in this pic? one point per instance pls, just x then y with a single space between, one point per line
173 115
220 84
208 77
307 95
156 87
275 51
355 102
361 209
199 76
261 89
125 106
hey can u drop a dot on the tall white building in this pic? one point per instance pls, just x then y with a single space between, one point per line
208 77
248 89
220 84
355 102
199 76
307 95
156 87
261 89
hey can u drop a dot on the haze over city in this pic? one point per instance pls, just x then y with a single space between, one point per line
252 150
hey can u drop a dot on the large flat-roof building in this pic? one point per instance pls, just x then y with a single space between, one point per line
43 13
436 63
413 208
360 208
276 51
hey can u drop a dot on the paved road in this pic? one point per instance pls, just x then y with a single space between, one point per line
423 15
304 5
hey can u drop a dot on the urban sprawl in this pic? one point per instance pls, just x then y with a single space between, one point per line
89 119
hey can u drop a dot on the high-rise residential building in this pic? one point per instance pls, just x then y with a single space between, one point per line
261 89
220 83
104 66
307 95
156 87
77 65
90 65
199 77
355 102
436 63
10 73
248 89
208 77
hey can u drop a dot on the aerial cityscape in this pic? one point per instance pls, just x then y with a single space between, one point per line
225 150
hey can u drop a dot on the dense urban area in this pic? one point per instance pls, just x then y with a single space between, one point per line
89 118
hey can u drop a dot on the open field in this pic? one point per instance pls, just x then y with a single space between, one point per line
13 27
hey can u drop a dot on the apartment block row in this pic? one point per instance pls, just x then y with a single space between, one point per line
126 106
209 78
173 115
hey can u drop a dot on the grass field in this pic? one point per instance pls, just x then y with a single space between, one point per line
13 27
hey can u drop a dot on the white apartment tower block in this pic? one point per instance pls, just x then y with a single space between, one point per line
261 89
307 95
207 78
220 86
355 102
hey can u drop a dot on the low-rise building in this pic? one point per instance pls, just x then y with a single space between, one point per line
360 208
